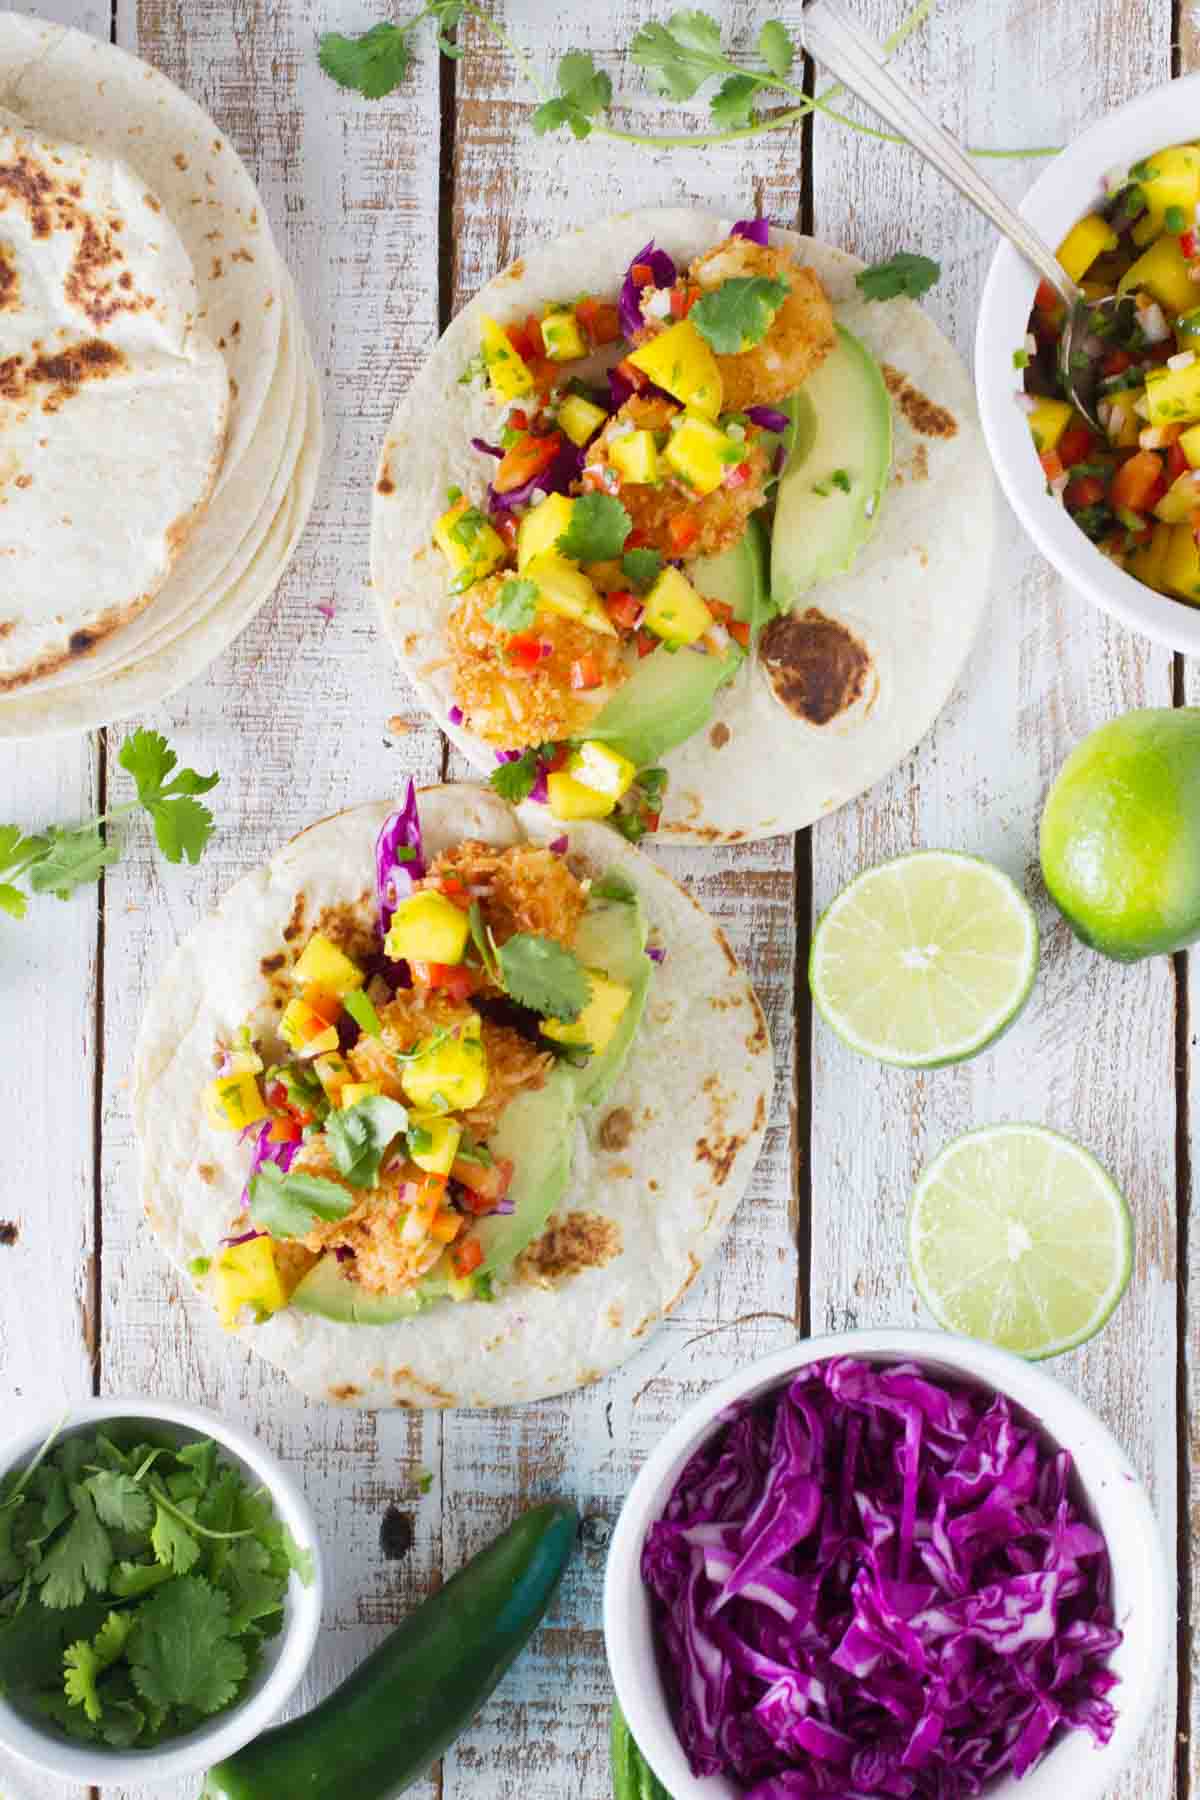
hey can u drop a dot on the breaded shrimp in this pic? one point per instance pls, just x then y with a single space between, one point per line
800 336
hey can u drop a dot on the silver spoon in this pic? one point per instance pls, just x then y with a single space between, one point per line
859 64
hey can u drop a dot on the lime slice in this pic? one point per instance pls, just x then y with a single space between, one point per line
924 960
1018 1235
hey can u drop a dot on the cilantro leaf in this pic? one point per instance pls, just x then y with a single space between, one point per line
732 106
181 825
71 859
80 1559
84 1663
516 608
482 940
373 64
904 273
360 1006
776 48
12 900
583 93
120 1501
643 567
598 529
129 1580
738 314
540 973
614 886
514 781
181 1651
359 1137
173 1543
255 1590
290 1205
17 852
680 56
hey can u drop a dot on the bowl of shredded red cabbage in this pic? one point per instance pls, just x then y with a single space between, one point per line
877 1579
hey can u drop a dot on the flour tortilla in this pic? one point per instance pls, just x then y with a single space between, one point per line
696 1085
131 690
113 403
63 80
913 598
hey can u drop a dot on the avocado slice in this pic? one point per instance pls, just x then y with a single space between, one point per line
830 492
738 576
667 699
333 1295
612 937
537 1133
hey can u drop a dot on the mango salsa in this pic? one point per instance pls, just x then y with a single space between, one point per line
1173 395
599 1019
247 1275
563 589
428 928
508 373
1048 420
598 766
679 360
580 419
1087 240
470 545
674 610
1169 179
334 1073
305 1030
562 337
452 1074
635 457
542 526
1162 271
327 967
702 455
570 799
1181 565
232 1102
354 1091
444 1136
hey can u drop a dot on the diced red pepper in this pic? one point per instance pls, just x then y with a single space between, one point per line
520 343
1116 362
285 1131
600 320
454 979
585 673
646 642
506 525
1188 245
683 531
636 540
326 1005
486 1183
633 376
1177 462
624 610
528 457
557 759
1046 300
739 631
1139 483
1051 463
721 611
650 820
1194 522
1076 444
642 275
739 476
682 301
277 1094
518 418
466 1257
533 331
524 651
1085 490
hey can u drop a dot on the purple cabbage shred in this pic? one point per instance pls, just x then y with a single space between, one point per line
629 310
265 1151
243 1238
559 845
557 479
455 715
486 449
757 230
870 1583
769 417
394 878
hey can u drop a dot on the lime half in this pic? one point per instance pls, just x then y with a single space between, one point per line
1017 1234
924 960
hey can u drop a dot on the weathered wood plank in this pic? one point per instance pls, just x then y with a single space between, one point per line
1094 1054
545 1733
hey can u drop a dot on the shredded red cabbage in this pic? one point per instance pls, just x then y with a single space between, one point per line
266 1150
556 479
872 1583
769 417
343 1252
244 1238
757 230
393 878
656 953
559 845
629 311
455 715
486 449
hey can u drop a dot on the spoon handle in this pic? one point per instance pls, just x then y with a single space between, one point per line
859 63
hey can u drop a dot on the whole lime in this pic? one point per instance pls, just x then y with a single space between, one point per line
1120 837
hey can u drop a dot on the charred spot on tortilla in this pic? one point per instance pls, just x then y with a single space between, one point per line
719 736
397 1534
270 965
80 642
344 1390
720 1153
817 667
438 1396
924 415
350 925
385 485
9 1232
206 1172
7 627
295 924
31 187
569 1245
10 281
64 374
616 1129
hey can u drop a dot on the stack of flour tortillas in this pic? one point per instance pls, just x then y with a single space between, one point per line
160 418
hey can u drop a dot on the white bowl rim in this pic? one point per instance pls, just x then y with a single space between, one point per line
1057 198
1138 1551
228 1731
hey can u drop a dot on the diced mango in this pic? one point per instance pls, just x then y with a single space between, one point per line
354 1091
1189 443
445 1136
580 419
508 373
563 589
1173 395
325 966
561 336
305 1030
1161 271
232 1102
1124 422
428 928
542 527
247 1275
635 456
470 545
598 1020
702 455
1148 561
1181 565
674 610
680 361
1171 179
334 1073
598 766
461 1287
1180 500
1048 420
569 799
452 1075
1085 241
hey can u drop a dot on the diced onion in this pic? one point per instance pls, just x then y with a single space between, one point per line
1115 180
658 306
1060 484
1184 360
1153 323
1031 343
1025 401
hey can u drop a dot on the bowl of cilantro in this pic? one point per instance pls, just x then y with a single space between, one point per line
160 1591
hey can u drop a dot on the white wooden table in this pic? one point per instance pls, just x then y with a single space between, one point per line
391 214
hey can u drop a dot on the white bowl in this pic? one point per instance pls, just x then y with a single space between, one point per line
1066 189
1115 1498
286 1655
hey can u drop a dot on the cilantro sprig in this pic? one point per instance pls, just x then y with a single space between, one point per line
598 529
139 1583
738 314
677 59
540 973
63 858
903 274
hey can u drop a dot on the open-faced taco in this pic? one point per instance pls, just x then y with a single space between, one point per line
442 1108
678 529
